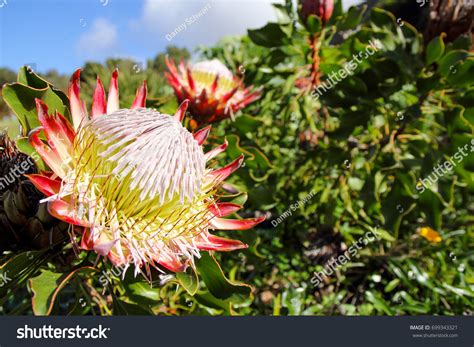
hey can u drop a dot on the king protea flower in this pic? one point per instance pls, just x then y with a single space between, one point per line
135 180
213 91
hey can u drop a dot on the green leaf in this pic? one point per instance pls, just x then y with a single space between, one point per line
459 291
237 198
435 49
293 301
258 160
19 268
207 299
447 64
461 74
392 285
270 35
47 285
283 12
394 208
240 199
144 289
431 205
218 284
426 84
355 183
123 308
255 160
167 107
378 302
354 86
43 287
385 235
24 146
247 124
382 17
313 23
352 18
276 57
31 79
338 11
189 281
21 99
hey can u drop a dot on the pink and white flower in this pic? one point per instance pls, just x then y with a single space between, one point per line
214 93
135 180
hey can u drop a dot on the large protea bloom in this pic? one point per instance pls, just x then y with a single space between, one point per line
135 180
213 91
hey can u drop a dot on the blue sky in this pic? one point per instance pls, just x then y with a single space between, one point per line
63 34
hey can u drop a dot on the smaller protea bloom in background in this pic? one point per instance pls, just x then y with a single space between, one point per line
214 93
430 234
320 8
136 181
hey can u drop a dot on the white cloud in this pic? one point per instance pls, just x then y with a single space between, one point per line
348 3
101 40
160 18
223 17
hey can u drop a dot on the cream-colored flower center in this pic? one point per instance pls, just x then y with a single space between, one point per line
205 72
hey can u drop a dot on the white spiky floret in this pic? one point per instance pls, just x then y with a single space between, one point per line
161 156
205 72
213 66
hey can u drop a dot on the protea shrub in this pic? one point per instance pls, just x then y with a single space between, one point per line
134 180
214 93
